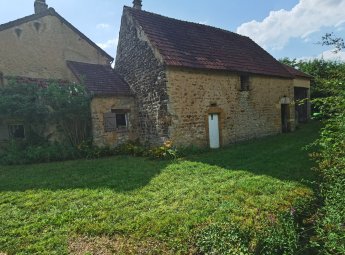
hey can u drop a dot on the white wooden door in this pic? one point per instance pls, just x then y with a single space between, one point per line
213 124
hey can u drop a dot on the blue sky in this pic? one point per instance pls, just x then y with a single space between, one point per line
285 28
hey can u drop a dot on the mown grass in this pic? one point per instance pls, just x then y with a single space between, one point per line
157 207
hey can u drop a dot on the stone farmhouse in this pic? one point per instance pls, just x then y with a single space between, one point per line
173 80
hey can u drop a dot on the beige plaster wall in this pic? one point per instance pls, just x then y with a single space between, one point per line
43 53
101 105
194 94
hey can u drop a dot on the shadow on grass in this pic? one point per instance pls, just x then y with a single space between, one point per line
281 157
284 156
121 174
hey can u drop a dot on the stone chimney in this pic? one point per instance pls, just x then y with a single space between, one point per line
40 6
137 4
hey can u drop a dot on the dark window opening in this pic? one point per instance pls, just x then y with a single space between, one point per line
285 115
117 120
121 120
301 104
245 83
16 131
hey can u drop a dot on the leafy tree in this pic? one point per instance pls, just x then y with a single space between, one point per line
69 107
66 107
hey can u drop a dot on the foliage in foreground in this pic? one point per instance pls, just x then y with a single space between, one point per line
331 167
328 91
19 152
239 195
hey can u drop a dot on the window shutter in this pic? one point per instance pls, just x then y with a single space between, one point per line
109 122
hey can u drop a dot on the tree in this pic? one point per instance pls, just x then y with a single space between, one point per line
329 39
66 107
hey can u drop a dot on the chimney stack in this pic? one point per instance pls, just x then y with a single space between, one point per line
137 4
40 6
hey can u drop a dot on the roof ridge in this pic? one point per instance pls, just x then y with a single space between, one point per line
296 72
51 11
230 51
185 21
99 79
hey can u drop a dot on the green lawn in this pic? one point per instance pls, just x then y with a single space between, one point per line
127 205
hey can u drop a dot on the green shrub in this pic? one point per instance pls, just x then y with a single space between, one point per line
87 150
17 152
132 148
167 151
330 225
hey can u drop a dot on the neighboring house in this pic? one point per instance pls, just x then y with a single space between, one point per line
200 85
44 46
173 80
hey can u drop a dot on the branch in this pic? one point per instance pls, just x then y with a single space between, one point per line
329 39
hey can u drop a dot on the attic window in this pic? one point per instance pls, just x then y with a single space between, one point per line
245 83
37 25
18 31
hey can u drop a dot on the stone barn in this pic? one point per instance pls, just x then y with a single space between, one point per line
204 86
193 84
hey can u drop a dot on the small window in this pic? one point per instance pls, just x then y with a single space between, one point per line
245 83
16 131
121 120
116 120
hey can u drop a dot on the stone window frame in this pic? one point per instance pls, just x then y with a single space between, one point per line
245 82
111 120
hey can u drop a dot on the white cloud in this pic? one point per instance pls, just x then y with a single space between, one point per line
103 26
203 22
112 43
328 55
307 17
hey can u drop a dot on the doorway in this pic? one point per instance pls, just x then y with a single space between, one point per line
213 125
301 99
285 115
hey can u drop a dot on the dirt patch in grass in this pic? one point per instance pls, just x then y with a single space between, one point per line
116 245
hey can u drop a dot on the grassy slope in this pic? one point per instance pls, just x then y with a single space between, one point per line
43 207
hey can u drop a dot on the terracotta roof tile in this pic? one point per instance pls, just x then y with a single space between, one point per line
194 45
297 73
99 79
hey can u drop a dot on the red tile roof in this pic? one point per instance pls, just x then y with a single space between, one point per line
99 79
297 73
194 45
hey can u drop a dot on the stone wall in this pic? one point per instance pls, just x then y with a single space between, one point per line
101 105
142 68
243 114
41 51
